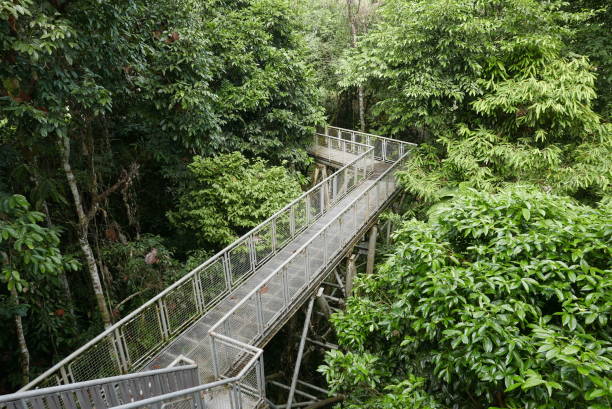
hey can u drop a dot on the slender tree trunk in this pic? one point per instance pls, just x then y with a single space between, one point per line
360 91
361 108
83 227
24 353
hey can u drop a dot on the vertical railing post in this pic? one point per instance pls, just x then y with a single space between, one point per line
124 363
197 292
285 286
227 270
308 211
261 379
292 221
273 222
252 252
214 356
324 246
237 396
260 317
322 198
354 216
384 150
65 375
163 318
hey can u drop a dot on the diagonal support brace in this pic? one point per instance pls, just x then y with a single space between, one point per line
298 361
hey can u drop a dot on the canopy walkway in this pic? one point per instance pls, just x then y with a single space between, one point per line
221 314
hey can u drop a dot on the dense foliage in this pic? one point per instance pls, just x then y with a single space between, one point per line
31 265
228 195
103 106
494 88
153 133
498 300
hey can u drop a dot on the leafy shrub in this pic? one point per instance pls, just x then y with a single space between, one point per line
499 299
230 194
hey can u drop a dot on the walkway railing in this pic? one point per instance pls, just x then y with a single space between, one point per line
385 149
248 320
241 391
107 392
132 341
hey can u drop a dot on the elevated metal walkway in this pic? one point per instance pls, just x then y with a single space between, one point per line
221 314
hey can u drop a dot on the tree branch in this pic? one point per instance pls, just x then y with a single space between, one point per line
126 178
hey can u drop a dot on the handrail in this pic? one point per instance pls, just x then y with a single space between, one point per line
112 331
283 265
94 382
211 385
369 134
255 293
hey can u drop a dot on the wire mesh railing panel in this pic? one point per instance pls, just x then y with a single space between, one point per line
339 187
350 176
249 381
142 334
53 380
378 148
232 357
300 216
335 144
244 323
181 306
263 242
393 151
240 262
321 140
316 208
272 298
218 398
213 283
315 258
99 361
296 273
360 138
283 228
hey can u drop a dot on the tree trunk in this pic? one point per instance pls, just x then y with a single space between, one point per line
361 109
24 353
360 91
83 227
